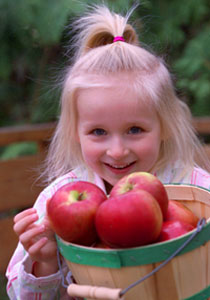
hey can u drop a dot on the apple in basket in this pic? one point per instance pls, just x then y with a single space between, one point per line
72 209
101 245
129 220
179 212
173 229
145 181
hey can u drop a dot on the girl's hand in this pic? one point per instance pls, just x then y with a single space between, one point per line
37 239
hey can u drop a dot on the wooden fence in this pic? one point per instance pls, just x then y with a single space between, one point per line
18 185
18 181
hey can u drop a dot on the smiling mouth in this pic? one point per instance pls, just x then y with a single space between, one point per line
120 167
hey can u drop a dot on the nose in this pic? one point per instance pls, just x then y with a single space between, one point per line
117 149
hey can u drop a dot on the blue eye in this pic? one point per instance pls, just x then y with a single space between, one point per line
99 132
134 130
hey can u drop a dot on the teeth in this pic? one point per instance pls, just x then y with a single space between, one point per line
120 167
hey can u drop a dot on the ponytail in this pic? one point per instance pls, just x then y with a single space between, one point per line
99 28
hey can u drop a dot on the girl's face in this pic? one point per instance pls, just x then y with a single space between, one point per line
118 133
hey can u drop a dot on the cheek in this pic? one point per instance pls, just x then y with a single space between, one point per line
150 147
84 147
90 151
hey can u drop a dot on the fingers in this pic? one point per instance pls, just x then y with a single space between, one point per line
37 239
29 235
35 248
47 223
24 220
23 214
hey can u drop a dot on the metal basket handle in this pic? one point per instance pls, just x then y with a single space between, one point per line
94 292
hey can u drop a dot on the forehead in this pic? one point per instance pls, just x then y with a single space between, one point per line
116 97
118 84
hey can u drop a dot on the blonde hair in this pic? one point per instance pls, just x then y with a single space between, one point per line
98 56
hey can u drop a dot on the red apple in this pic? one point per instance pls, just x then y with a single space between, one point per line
129 220
179 212
72 211
101 245
173 229
145 181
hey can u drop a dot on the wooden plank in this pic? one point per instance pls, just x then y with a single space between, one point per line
40 132
202 125
18 186
8 242
34 132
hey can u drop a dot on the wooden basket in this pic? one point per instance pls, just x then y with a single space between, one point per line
186 276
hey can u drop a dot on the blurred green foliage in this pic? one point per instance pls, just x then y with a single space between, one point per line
3 282
180 32
34 36
18 149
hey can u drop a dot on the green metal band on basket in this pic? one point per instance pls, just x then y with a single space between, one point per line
201 295
117 258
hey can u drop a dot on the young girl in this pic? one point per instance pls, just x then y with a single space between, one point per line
119 114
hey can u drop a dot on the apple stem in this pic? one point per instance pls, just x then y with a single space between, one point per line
80 197
128 187
75 196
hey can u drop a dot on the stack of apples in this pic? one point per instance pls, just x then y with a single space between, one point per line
137 212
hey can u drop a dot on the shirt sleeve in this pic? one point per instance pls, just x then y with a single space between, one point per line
22 284
200 178
177 174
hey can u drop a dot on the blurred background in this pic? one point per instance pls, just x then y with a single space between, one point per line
35 38
35 48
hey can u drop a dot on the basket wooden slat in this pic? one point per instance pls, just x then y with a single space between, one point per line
184 276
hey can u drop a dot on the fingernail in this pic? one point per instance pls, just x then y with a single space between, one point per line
42 228
35 217
44 239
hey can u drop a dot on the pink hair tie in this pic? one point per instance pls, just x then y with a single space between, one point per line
118 38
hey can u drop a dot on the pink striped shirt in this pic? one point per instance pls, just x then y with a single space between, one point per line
23 285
